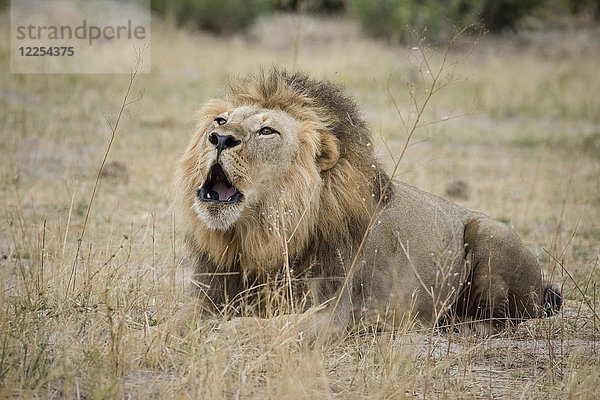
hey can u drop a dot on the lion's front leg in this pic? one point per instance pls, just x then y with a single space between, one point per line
217 291
316 325
320 324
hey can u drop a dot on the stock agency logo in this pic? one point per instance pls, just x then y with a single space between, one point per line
69 36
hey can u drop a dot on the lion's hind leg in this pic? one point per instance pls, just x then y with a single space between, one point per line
505 281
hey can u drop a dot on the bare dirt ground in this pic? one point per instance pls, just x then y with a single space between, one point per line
101 314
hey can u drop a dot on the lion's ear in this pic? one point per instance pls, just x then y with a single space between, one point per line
330 152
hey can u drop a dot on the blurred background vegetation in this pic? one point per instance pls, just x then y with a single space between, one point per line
394 20
390 19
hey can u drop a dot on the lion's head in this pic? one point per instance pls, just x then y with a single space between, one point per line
265 175
244 150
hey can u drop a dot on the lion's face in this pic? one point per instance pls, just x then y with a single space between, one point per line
242 153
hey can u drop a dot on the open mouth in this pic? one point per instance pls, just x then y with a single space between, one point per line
217 187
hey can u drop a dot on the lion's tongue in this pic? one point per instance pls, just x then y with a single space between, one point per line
223 190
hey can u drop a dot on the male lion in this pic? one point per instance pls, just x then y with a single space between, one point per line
280 180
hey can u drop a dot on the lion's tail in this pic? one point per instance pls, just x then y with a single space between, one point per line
552 300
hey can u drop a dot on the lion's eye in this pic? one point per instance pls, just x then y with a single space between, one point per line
220 121
267 131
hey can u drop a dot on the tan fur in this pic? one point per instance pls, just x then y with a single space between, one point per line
309 196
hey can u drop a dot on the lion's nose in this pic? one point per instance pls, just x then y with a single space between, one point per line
222 142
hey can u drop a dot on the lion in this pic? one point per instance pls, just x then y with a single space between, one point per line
281 180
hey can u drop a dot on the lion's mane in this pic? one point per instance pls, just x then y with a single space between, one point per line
330 194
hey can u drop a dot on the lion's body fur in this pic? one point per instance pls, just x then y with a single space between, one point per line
419 258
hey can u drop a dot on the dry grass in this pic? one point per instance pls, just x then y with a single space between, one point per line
526 144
